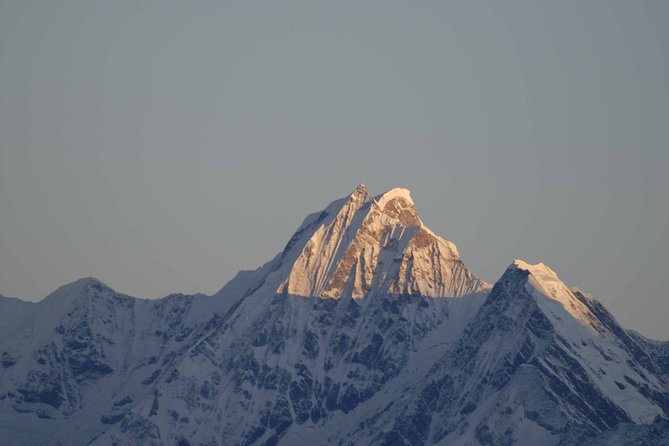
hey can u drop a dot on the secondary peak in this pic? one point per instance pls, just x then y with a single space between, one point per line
360 191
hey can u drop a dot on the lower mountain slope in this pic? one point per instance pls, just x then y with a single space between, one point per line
292 369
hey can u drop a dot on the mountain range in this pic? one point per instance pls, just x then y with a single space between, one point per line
367 329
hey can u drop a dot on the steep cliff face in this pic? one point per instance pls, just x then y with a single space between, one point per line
366 329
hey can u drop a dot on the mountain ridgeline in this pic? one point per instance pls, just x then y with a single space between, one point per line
367 329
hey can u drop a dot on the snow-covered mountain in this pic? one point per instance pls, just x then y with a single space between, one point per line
366 329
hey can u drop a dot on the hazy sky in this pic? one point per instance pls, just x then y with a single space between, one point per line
162 146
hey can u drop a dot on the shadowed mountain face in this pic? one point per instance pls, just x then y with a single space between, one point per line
367 329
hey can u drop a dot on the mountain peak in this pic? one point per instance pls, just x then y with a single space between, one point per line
360 188
396 192
539 269
543 280
364 243
360 194
85 285
543 283
397 203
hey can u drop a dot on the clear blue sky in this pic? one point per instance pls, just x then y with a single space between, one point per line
162 146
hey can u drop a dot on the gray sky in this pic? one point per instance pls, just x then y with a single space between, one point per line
162 146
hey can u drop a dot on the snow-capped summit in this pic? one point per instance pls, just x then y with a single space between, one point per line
398 204
544 283
86 286
364 243
360 191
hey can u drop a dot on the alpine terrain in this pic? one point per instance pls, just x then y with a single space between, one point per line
367 329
